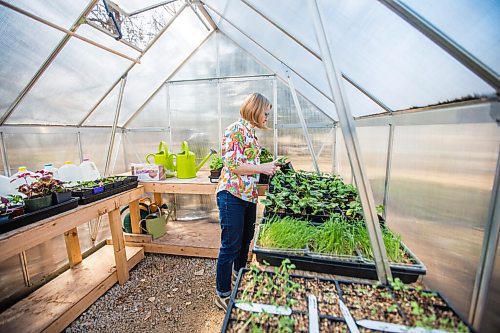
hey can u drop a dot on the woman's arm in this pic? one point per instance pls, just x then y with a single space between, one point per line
251 169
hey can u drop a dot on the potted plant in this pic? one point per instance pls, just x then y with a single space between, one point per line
215 166
16 205
4 211
39 193
265 157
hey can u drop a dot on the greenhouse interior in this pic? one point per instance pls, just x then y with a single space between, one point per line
394 102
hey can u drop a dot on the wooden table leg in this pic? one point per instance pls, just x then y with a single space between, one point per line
173 200
119 245
158 199
135 216
73 247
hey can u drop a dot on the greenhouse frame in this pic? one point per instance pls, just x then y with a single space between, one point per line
399 97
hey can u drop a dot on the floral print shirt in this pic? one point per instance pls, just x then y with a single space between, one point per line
239 146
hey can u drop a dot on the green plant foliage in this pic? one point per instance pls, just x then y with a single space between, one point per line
286 233
216 163
265 156
334 237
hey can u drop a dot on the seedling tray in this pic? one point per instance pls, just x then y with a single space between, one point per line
38 215
94 197
328 292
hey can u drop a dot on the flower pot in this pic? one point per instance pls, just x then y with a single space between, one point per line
17 211
59 197
215 173
34 204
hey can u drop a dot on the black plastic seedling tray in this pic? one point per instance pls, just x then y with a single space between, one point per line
94 197
38 215
325 318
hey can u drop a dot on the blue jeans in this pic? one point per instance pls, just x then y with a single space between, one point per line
237 222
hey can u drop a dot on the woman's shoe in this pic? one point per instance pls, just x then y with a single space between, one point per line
222 302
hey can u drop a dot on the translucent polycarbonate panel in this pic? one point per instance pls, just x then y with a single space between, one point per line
292 143
61 12
130 6
104 39
154 113
11 279
118 164
202 64
380 51
34 150
173 47
415 73
233 94
95 147
287 112
234 61
491 319
107 108
198 207
373 142
71 86
137 29
359 103
269 60
46 258
90 234
137 145
473 25
439 195
194 117
24 46
260 30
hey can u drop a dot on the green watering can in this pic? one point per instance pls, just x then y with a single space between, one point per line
162 157
186 162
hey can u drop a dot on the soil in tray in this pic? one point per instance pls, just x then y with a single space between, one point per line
325 292
370 302
328 325
428 309
243 321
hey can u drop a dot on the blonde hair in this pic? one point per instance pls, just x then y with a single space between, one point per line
253 107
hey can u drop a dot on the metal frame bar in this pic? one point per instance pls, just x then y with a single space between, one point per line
145 9
133 115
486 263
282 80
335 168
198 15
275 118
45 65
169 114
388 167
219 99
207 15
121 40
353 148
443 41
316 55
153 41
269 52
6 168
80 148
115 122
227 78
303 123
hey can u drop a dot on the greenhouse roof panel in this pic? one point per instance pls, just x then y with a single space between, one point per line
475 27
79 75
24 46
174 46
61 12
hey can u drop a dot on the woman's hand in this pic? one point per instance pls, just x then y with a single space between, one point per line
268 168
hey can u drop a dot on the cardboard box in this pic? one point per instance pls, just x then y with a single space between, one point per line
147 172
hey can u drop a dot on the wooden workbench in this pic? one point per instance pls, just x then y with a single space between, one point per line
57 303
200 238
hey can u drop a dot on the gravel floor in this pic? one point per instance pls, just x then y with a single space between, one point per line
164 294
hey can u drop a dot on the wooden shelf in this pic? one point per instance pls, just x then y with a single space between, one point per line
56 304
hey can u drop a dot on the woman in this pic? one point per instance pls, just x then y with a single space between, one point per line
237 191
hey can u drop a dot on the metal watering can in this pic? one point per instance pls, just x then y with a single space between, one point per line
186 162
162 157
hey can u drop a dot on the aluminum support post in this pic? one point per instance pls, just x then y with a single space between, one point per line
302 121
115 122
488 254
346 122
